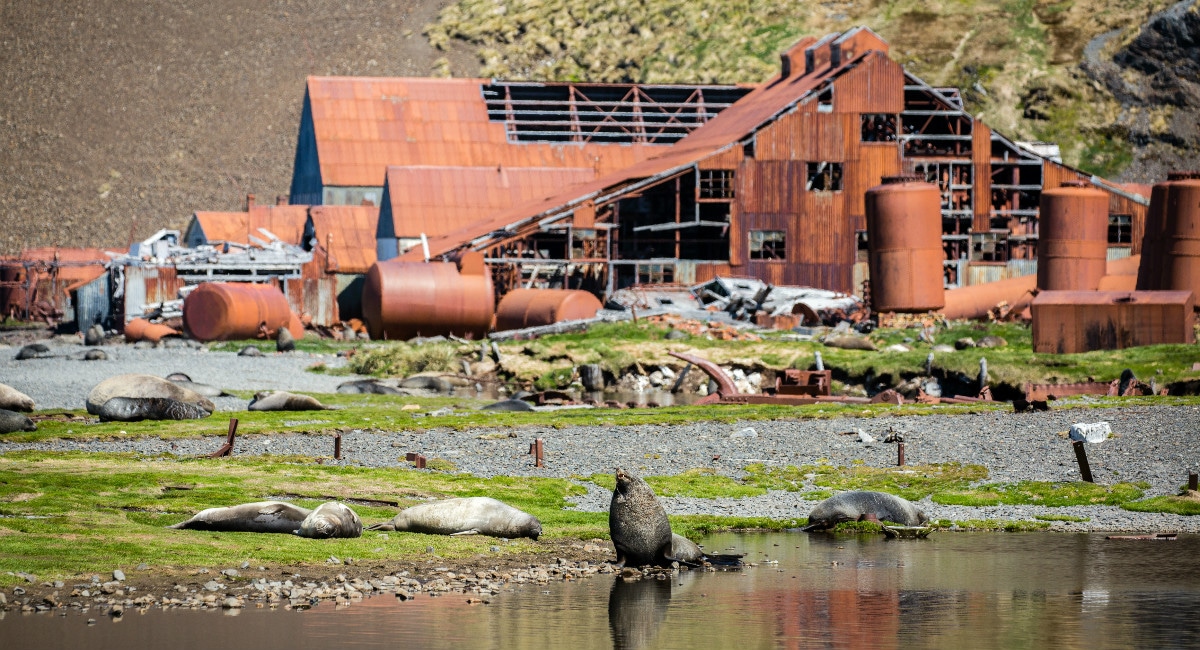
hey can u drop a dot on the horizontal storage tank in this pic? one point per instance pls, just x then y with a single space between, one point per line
1156 266
140 329
1183 235
976 300
402 300
904 238
521 308
1072 237
224 311
1066 322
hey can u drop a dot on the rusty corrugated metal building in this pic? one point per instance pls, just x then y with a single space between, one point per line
773 188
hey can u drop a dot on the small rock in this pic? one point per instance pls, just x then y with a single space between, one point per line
118 575
865 437
116 611
143 566
232 573
748 432
231 602
250 351
245 565
212 585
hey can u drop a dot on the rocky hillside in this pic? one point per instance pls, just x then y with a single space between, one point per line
120 117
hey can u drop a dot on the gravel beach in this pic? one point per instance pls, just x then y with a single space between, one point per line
1157 445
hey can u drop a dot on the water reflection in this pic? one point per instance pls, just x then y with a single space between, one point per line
636 610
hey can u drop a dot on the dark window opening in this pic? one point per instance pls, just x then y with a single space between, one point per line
878 127
1120 229
824 177
768 245
716 184
748 149
825 100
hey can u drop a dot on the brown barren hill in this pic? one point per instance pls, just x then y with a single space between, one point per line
120 117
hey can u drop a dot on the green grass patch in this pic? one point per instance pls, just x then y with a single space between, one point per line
913 482
310 344
1174 505
1042 493
1019 526
699 482
402 359
1061 518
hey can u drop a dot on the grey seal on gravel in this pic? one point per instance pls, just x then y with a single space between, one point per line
207 390
258 517
134 385
465 516
136 409
853 506
637 523
33 351
367 387
14 400
250 351
331 519
11 421
284 401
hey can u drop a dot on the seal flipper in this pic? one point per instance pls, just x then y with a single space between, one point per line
385 526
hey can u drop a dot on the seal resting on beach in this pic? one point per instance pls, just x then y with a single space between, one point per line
331 519
33 351
686 551
859 505
284 401
367 387
207 390
465 516
135 409
637 523
11 421
258 517
134 385
508 405
14 400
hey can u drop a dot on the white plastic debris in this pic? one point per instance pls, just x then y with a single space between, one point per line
865 437
1093 432
748 432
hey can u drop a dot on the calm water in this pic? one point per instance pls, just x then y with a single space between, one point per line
960 590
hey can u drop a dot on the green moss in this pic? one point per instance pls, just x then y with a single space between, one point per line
1020 526
1061 518
700 483
1041 493
912 482
1168 504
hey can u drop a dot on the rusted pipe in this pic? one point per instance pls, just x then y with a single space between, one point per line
900 454
1080 455
1192 481
537 449
725 387
337 446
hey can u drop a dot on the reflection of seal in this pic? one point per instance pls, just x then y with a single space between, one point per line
260 517
508 405
135 409
636 609
284 401
14 400
11 421
853 506
638 523
331 519
142 386
466 516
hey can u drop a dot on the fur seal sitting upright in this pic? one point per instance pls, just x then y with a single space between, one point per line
14 400
637 523
331 519
134 385
284 401
136 409
258 517
855 506
465 516
11 421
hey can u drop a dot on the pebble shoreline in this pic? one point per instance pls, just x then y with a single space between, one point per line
1155 445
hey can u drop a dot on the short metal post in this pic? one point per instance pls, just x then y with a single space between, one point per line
537 449
1081 456
1192 479
337 446
900 454
420 461
414 457
227 448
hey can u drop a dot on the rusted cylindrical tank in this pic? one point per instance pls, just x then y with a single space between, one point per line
140 329
975 301
1183 236
1072 237
1156 264
522 308
904 238
223 311
406 299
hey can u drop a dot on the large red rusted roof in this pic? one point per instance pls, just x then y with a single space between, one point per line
760 106
351 249
284 221
440 200
362 125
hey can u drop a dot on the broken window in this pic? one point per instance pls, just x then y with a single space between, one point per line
824 177
825 100
716 183
768 244
748 148
878 127
1120 228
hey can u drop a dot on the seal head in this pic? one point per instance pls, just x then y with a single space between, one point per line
331 519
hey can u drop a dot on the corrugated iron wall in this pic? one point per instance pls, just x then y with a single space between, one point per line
93 303
875 85
146 285
981 161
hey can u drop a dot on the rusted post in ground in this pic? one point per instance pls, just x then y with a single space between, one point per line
1192 480
227 448
337 446
536 448
900 454
414 457
1081 456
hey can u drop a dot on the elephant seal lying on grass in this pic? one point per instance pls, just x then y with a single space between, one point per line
465 516
11 422
134 385
136 409
330 519
854 506
14 400
284 401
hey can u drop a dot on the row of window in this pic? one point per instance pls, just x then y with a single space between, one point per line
819 177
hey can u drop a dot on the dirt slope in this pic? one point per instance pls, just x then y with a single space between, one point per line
119 117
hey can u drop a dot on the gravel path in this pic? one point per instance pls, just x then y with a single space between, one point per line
1157 445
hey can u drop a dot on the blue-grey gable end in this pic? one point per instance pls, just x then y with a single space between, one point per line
386 246
306 172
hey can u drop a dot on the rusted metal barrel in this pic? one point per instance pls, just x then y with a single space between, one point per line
402 300
904 237
522 308
1183 236
1155 268
223 311
1072 238
140 329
